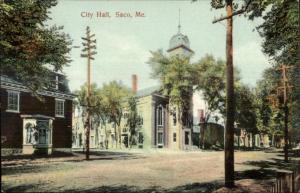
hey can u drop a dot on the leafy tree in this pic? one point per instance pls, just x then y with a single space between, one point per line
279 33
176 77
246 110
95 109
210 80
114 95
29 50
209 77
133 121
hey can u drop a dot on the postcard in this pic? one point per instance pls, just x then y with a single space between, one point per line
171 96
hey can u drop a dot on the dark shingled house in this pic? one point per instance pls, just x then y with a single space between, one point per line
32 124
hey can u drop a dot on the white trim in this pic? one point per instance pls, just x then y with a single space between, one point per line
18 103
58 99
12 111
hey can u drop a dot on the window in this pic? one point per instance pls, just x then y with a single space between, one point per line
43 130
160 138
80 139
160 116
140 113
54 82
174 137
59 108
13 100
42 135
186 138
174 117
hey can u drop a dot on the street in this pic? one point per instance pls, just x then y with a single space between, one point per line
131 171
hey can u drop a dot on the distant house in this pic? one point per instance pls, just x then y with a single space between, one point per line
35 124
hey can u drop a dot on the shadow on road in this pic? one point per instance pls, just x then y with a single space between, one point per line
189 188
19 164
108 155
267 169
55 154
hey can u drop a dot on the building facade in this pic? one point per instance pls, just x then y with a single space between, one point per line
35 124
160 127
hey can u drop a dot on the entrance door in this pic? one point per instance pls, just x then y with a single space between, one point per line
160 139
186 138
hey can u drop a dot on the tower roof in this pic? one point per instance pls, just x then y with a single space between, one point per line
179 40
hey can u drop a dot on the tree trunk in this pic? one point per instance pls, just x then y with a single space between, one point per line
230 106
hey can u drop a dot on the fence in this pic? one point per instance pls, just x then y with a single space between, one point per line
286 182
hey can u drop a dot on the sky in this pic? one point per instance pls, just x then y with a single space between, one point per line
124 43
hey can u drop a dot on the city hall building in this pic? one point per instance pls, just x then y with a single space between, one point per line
160 127
31 124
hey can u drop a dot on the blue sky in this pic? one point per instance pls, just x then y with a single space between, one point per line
123 44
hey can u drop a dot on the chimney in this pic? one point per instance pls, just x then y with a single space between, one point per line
134 83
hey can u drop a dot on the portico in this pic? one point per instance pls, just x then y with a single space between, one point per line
37 134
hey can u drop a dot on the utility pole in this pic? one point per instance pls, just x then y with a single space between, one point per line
88 52
230 101
282 91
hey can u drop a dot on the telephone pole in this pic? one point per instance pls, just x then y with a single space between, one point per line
230 101
88 52
282 92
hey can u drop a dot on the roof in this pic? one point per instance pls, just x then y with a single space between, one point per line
12 84
178 40
148 91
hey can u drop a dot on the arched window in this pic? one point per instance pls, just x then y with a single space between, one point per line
160 116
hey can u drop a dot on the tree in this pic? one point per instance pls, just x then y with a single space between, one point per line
280 31
133 121
114 95
30 51
91 104
210 80
176 77
277 44
246 110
